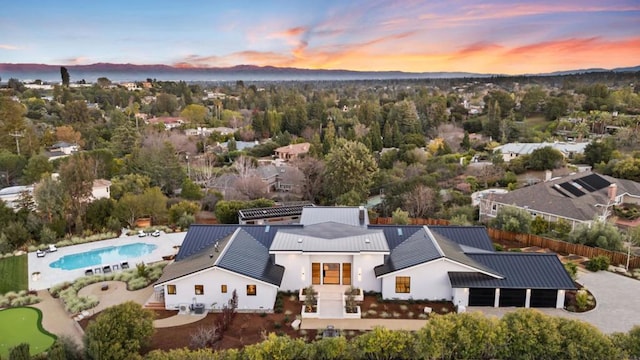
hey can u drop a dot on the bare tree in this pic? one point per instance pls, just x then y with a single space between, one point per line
252 187
421 201
313 182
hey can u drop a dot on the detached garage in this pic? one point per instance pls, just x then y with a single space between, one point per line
526 280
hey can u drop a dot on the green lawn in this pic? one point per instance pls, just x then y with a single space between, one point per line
14 274
20 325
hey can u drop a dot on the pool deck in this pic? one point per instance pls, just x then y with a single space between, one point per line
51 276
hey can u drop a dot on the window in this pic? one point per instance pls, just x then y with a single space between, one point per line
403 284
199 289
251 290
223 289
171 289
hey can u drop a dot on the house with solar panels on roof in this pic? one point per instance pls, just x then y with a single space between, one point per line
336 247
578 199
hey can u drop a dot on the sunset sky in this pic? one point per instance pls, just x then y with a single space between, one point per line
508 37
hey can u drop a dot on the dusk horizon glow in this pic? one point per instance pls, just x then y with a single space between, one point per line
498 36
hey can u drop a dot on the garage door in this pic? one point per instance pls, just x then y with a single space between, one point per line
512 297
541 298
482 297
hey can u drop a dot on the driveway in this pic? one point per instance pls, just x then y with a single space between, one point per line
617 302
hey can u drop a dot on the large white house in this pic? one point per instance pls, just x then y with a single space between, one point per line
336 246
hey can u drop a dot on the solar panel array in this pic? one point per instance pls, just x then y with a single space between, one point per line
581 186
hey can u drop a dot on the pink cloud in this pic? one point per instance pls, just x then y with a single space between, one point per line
8 47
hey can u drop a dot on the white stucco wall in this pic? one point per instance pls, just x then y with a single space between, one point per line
294 266
428 281
297 264
365 264
212 279
461 297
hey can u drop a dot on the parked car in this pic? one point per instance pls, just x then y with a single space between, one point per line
141 233
155 233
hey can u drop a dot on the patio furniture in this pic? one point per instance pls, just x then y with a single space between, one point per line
106 269
97 271
88 272
124 265
115 267
41 253
52 248
330 331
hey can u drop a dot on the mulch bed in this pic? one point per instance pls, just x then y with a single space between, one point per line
397 309
570 300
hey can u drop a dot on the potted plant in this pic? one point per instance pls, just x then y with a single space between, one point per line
310 302
357 293
351 310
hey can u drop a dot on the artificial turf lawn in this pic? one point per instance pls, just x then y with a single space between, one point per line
14 274
19 325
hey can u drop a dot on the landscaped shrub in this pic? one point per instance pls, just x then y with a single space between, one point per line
582 299
498 247
572 269
597 263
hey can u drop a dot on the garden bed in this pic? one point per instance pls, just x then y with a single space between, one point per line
375 308
574 303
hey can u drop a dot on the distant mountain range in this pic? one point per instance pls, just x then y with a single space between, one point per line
131 72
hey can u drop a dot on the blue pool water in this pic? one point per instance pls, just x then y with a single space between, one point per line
103 256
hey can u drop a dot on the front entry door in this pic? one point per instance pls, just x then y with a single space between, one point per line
331 273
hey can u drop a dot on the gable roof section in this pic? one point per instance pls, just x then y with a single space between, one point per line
424 246
196 262
416 249
338 214
200 237
468 237
396 234
520 270
550 197
330 237
247 256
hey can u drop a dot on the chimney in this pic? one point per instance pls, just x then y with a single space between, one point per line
613 192
361 214
547 175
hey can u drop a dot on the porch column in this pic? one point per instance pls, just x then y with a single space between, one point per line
527 299
496 301
560 299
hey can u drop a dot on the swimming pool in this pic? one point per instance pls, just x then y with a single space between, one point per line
106 255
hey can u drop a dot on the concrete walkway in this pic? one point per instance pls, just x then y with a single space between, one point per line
55 318
177 320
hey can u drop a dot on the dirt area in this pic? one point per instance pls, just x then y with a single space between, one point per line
374 308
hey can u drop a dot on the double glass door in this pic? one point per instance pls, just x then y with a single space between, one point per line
331 273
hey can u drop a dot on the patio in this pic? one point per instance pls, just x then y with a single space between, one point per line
42 276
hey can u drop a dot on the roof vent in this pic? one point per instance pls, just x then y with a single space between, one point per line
367 241
210 256
299 240
216 247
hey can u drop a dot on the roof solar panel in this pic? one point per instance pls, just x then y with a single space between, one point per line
560 191
572 189
595 181
585 185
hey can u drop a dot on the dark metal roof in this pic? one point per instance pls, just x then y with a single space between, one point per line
467 236
417 249
396 234
197 262
247 256
200 237
453 251
271 212
348 215
520 271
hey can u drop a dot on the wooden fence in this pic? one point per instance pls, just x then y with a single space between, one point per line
558 246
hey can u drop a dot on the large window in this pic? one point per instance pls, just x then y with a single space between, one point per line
199 289
251 290
223 289
403 284
171 289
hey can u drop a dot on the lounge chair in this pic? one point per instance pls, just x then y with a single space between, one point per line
106 269
124 265
97 271
115 267
88 272
41 253
52 248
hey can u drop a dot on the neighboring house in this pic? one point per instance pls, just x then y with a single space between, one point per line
281 178
513 150
292 151
101 189
284 214
169 122
579 198
11 195
64 148
335 247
